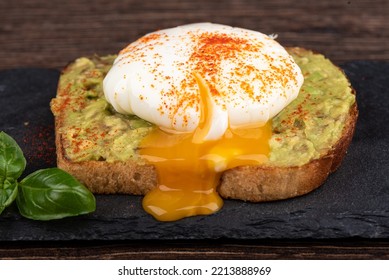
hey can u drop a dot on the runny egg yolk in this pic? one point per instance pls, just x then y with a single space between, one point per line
189 168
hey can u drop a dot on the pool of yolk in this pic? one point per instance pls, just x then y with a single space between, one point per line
189 169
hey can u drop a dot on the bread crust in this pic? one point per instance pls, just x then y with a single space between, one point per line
265 183
248 183
102 177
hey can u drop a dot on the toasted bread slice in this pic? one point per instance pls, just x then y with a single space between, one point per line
266 183
250 183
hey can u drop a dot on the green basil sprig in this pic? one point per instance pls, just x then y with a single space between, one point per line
52 193
12 165
45 194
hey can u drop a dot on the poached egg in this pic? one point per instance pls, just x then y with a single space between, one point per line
211 90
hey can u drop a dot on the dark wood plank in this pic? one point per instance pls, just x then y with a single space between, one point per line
271 249
275 249
51 33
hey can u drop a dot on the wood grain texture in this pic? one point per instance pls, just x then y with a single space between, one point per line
43 33
271 249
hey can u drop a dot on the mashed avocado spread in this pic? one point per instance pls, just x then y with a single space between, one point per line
304 130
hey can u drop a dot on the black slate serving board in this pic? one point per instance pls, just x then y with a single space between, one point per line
354 201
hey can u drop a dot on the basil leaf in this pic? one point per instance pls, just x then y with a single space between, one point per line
8 193
12 161
12 164
53 194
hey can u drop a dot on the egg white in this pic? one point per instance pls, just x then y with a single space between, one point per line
147 77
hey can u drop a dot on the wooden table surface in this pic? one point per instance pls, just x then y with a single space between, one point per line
49 34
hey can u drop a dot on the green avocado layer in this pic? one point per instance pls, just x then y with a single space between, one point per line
303 131
308 127
91 129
